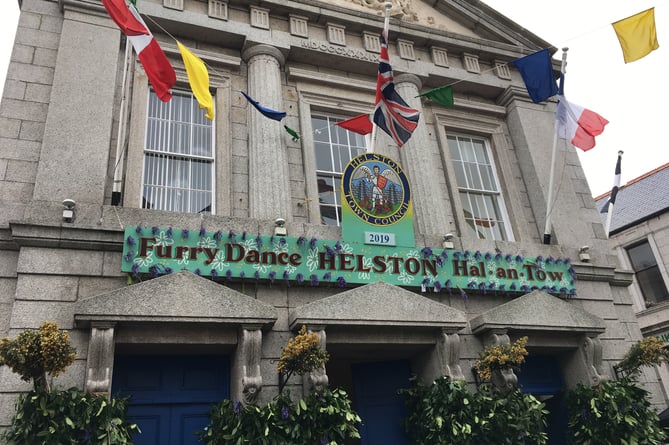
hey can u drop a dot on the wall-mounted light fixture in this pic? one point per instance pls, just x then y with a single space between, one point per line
68 210
584 254
280 227
448 241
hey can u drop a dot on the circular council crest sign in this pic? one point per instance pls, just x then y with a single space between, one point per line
376 189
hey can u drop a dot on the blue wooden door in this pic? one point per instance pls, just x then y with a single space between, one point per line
170 396
381 408
542 376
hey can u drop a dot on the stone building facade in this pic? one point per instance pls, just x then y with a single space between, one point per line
78 121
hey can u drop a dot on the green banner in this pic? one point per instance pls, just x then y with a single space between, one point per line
310 261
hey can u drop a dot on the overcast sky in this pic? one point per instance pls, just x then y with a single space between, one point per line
631 96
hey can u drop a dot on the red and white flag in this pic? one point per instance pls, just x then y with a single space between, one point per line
578 125
158 68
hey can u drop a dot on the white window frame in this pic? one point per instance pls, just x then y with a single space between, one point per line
637 295
211 160
496 194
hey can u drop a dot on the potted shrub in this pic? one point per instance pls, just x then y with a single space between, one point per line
63 417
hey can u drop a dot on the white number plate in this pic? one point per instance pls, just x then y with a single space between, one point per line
383 239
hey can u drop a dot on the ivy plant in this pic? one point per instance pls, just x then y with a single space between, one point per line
446 413
612 412
324 417
69 417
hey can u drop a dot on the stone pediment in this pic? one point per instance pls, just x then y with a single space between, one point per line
468 18
180 297
538 311
378 304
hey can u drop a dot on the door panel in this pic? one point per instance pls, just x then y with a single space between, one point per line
170 396
378 402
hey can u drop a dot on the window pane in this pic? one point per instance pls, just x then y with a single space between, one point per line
648 275
641 256
475 176
178 160
334 147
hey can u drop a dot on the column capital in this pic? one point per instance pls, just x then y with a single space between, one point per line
262 49
409 78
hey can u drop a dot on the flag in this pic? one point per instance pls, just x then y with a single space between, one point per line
578 125
358 124
616 185
198 77
293 134
537 73
276 115
637 35
440 95
392 114
158 69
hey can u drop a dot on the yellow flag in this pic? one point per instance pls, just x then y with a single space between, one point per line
637 35
198 77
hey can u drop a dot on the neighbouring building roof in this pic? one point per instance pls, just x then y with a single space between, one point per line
638 200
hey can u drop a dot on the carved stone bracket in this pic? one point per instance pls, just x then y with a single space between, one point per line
100 360
248 353
448 351
591 350
505 379
317 379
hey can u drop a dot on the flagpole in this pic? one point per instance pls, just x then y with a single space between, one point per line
609 215
549 203
117 185
386 24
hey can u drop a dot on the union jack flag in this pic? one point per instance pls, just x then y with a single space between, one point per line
392 114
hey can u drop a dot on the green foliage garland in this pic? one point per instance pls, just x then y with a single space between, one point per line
615 412
446 413
69 417
323 417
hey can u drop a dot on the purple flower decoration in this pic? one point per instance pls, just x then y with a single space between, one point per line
567 261
244 235
448 284
282 241
440 260
427 252
203 231
524 288
286 275
338 247
138 229
272 276
168 270
341 281
456 255
331 253
236 407
559 261
513 286
472 284
426 282
498 256
572 292
197 272
299 278
437 286
271 239
477 255
214 273
444 254
519 258
153 270
550 260
256 275
130 241
218 235
169 232
482 288
508 257
467 254
463 294
228 274
129 256
135 270
488 256
540 259
312 242
563 290
154 230
301 240
184 233
314 280
285 412
502 287
242 274
232 235
259 241
327 276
